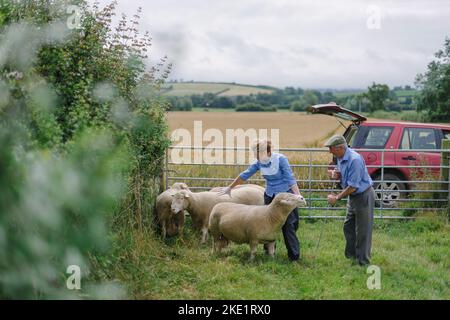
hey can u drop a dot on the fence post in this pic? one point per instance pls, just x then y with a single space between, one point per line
445 172
164 175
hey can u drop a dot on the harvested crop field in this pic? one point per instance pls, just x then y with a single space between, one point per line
295 129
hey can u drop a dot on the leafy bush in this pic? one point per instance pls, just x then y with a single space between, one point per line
55 210
83 135
254 107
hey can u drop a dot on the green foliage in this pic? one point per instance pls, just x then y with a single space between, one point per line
254 107
434 85
222 102
297 106
377 94
180 104
54 211
277 99
83 135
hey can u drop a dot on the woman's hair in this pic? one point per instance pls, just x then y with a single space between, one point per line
261 144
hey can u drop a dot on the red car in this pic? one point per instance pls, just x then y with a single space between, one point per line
410 138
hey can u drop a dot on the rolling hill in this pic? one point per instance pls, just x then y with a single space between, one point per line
220 89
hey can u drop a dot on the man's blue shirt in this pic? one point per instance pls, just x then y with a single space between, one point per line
354 171
278 174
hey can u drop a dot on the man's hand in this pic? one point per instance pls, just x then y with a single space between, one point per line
224 190
334 174
332 199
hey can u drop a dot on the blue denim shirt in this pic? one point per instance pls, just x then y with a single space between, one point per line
278 174
354 171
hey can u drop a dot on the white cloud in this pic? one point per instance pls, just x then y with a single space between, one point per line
292 42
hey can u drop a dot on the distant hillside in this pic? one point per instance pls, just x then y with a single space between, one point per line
221 89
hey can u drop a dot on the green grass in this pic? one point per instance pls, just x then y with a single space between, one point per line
406 93
413 257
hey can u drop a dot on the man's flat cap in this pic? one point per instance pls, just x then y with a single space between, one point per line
335 141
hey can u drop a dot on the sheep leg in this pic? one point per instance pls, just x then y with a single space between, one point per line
163 229
214 245
180 231
223 242
253 248
271 248
204 235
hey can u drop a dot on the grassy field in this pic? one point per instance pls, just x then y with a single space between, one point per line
412 256
222 89
406 93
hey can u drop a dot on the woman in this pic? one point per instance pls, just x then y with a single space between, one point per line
275 169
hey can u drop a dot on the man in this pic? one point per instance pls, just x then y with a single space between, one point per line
357 186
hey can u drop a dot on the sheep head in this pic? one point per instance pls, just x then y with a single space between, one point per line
180 201
179 186
290 200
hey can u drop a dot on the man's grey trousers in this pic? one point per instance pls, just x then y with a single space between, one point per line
358 226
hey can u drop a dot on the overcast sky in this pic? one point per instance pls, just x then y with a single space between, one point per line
300 43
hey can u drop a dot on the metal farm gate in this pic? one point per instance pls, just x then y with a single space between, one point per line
427 190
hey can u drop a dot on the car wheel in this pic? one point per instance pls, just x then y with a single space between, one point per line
391 191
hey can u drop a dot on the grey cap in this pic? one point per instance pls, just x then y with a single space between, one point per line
335 141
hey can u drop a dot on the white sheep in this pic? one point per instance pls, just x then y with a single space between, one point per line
251 224
200 204
170 224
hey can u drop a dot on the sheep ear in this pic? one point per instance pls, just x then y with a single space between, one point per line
285 202
185 194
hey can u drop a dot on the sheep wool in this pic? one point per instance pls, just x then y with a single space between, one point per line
251 224
169 223
200 204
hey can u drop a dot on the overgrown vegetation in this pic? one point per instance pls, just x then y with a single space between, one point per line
83 135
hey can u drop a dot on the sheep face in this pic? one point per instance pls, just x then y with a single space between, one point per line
291 200
180 201
179 186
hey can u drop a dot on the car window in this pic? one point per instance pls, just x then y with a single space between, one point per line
446 134
376 137
351 134
418 138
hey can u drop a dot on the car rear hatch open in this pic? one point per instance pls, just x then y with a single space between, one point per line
332 109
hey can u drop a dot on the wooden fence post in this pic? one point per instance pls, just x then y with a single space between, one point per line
445 172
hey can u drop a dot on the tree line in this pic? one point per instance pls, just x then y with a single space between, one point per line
377 97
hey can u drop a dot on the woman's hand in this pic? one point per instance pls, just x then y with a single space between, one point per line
224 190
